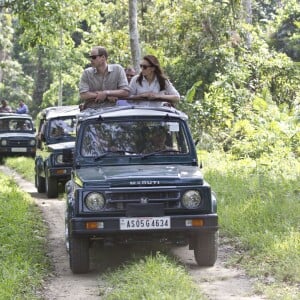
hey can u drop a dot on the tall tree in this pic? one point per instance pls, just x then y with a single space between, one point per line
247 8
134 34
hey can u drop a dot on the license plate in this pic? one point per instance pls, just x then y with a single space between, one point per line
18 150
144 223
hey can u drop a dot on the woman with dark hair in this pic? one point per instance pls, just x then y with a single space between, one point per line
152 85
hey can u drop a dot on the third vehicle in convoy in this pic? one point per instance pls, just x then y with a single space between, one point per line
17 135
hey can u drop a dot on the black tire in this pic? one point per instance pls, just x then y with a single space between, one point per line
67 232
51 187
206 248
79 255
40 183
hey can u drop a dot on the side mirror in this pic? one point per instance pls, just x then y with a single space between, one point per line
68 155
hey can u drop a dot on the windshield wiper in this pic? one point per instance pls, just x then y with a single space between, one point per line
160 151
112 152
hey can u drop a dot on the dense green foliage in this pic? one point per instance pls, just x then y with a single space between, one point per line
226 67
258 206
22 252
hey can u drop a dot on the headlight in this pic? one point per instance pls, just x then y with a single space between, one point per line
191 199
94 201
32 143
59 159
3 142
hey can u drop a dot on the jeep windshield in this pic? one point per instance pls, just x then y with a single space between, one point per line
133 138
16 124
63 128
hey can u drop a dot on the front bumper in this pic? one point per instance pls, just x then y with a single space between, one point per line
111 227
60 173
10 151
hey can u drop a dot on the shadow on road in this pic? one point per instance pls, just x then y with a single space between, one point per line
109 258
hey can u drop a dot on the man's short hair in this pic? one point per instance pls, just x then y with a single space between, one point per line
102 51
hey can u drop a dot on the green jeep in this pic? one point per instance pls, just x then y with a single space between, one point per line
136 178
56 132
17 135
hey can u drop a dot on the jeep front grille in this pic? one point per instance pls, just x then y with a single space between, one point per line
18 143
168 198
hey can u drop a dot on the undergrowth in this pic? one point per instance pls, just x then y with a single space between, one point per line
259 206
22 248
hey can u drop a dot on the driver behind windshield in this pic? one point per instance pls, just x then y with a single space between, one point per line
156 140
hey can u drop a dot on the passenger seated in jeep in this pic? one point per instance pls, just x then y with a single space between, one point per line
57 131
157 140
23 126
61 128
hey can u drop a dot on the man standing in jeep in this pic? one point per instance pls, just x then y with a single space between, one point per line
102 83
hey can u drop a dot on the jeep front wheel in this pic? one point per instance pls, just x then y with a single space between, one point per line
206 248
79 255
40 183
51 187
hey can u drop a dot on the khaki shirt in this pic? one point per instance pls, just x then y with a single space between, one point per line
92 81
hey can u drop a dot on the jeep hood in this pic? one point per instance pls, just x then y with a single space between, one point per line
139 175
61 146
18 135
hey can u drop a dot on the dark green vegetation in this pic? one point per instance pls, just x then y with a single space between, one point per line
22 236
259 207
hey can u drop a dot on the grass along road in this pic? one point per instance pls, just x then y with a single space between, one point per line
250 194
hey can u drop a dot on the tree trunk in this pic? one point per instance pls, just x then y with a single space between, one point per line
134 35
42 78
247 9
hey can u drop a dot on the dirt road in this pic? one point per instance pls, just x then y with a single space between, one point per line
218 282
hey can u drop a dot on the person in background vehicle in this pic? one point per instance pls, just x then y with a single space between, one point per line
5 108
23 125
102 83
153 85
23 108
130 73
